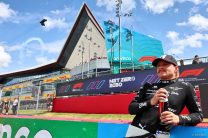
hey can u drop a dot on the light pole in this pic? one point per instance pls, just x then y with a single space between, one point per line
112 47
1 87
95 56
132 50
82 60
89 39
19 99
82 50
118 14
129 36
38 94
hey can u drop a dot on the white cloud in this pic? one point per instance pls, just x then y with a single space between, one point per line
193 11
110 5
176 10
172 35
189 41
193 1
157 6
13 48
181 24
5 57
160 6
54 47
44 60
35 47
50 47
198 22
55 23
6 12
64 12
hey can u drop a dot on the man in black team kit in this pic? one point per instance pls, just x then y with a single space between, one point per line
148 122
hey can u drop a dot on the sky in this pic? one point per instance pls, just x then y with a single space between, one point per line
181 26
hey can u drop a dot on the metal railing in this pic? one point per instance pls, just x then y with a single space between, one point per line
132 69
189 61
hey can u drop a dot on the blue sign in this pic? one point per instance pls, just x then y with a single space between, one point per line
189 132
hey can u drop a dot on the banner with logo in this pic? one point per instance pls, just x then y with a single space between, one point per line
128 82
104 85
40 128
135 47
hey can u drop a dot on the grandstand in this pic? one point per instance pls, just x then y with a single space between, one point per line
72 58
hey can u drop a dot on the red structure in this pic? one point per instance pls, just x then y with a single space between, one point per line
100 104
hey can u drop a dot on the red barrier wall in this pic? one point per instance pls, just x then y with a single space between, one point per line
102 104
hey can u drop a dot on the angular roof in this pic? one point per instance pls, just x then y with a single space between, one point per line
78 28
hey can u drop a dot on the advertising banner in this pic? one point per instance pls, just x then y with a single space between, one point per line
134 47
39 128
56 78
16 86
194 73
125 82
36 128
128 82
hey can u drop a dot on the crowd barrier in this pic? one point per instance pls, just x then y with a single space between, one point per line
39 128
100 104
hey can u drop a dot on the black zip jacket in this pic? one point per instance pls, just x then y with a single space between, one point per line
181 94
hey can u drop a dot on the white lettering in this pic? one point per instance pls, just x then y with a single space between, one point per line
5 129
115 85
114 80
43 134
122 58
125 79
142 104
23 131
118 82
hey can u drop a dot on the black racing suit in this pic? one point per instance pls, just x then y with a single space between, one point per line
181 94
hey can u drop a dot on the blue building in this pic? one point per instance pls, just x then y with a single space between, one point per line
136 49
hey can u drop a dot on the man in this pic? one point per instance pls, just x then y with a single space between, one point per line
6 106
145 105
50 103
196 60
14 106
1 106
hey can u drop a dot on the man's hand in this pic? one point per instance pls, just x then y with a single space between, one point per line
160 94
168 117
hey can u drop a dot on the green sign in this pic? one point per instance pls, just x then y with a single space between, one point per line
37 128
134 48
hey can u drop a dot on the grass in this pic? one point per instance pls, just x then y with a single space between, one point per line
45 113
116 117
31 112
